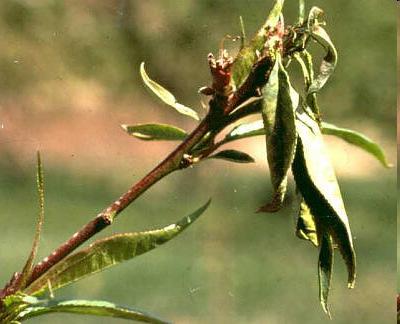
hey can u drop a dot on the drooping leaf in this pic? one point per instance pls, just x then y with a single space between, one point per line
27 270
305 61
270 98
306 227
107 252
247 56
317 183
280 101
325 265
329 62
233 156
87 307
358 140
166 96
306 75
153 132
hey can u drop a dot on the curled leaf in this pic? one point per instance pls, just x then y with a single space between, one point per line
358 140
153 132
233 156
87 307
107 252
317 183
314 16
329 62
280 101
325 265
306 227
166 96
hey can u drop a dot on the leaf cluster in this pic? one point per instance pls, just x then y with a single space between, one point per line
256 81
292 125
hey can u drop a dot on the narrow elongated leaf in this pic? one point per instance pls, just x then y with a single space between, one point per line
166 96
233 156
280 129
249 102
245 130
358 140
305 70
87 307
317 183
305 61
270 99
325 265
302 11
27 270
107 252
242 33
247 56
306 227
256 128
154 132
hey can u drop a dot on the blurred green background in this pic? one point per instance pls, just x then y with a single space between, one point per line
69 77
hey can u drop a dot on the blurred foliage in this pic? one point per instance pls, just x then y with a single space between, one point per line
55 42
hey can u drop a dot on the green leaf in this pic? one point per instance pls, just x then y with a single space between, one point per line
256 128
317 183
107 252
280 101
166 96
325 265
153 132
249 102
245 130
233 156
242 33
305 61
301 11
13 305
87 307
27 270
328 63
313 17
357 139
306 227
247 55
270 99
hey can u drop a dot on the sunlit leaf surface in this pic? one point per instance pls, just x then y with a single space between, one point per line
166 96
153 132
108 252
358 140
87 307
